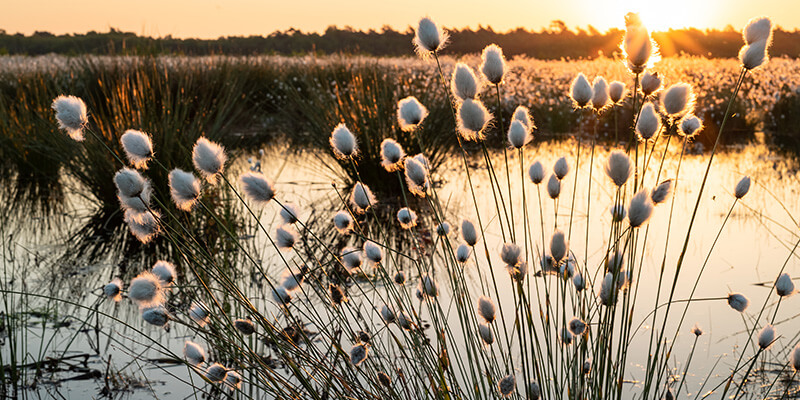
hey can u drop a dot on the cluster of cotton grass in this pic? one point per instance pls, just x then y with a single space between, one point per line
357 318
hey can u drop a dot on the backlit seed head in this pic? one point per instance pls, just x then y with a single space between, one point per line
343 142
233 380
131 183
486 309
766 336
507 385
510 253
361 198
429 37
580 91
616 91
522 114
608 290
617 212
113 289
468 232
71 115
199 314
289 213
417 178
640 208
566 336
216 372
486 333
358 354
138 147
351 258
209 158
473 118
649 122
690 126
553 187
758 28
384 380
337 294
738 301
286 237
518 135
754 55
143 225
193 353
462 253
184 188
576 326
742 187
662 192
561 168
407 218
697 330
600 95
373 252
615 261
392 155
493 64
463 83
155 315
636 44
429 286
245 326
387 314
281 296
343 222
291 278
518 271
559 245
784 285
533 391
579 282
400 278
257 187
404 320
650 83
678 100
795 357
165 272
443 229
410 113
618 167
536 172
145 290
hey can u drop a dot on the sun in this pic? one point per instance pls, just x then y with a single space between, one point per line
671 14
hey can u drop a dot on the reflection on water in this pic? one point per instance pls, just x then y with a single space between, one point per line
75 254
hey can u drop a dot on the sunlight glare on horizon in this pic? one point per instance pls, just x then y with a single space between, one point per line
665 15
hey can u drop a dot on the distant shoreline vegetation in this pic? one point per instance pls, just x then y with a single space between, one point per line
554 42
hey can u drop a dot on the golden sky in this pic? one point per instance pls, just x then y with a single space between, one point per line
214 18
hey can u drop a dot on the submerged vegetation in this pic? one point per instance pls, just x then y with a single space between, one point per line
391 292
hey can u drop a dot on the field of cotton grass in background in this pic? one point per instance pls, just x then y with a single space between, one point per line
427 227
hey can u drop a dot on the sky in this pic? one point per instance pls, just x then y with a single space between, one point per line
214 18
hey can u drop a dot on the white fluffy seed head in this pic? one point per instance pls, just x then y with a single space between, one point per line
553 187
143 225
138 147
579 282
194 354
281 296
145 290
757 29
507 385
337 294
566 336
113 289
429 286
71 115
387 314
650 83
536 172
245 326
410 113
576 326
257 187
795 357
286 237
361 198
559 245
608 291
690 126
462 253
742 187
289 213
343 222
130 182
616 91
486 309
343 142
766 336
640 208
184 188
678 100
600 94
400 278
486 333
522 114
784 285
233 379
615 261
618 167
291 278
155 315
580 91
636 44
165 272
373 252
404 320
209 158
351 258
464 83
754 55
533 391
493 64
443 229
561 168
518 134
429 37
358 354
473 118
662 192
392 155
468 232
407 218
417 178
216 372
697 330
510 254
738 301
199 314
649 122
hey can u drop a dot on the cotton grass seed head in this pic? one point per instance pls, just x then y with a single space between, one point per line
579 282
553 186
343 222
742 187
510 253
486 333
384 379
417 178
580 91
429 37
410 113
618 167
640 208
373 252
462 253
343 142
387 314
289 213
522 114
486 309
784 285
468 232
199 314
576 326
184 188
361 198
113 289
143 225
608 290
566 336
600 95
291 278
193 353
473 118
650 83
533 391
616 91
407 218
358 354
245 326
636 43
286 237
130 183
464 84
536 172
145 289
507 385
738 301
392 155
754 55
216 372
559 245
689 126
443 229
493 64
156 315
615 261
209 158
795 357
257 187
400 278
165 272
233 380
766 336
138 147
758 28
678 100
71 115
696 330
518 134
337 294
662 192
561 168
351 258
281 296
429 286
404 320
649 122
